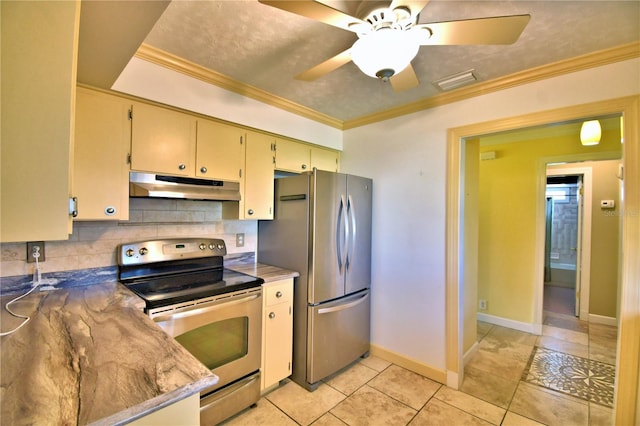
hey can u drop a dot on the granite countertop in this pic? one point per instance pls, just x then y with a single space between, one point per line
90 355
268 273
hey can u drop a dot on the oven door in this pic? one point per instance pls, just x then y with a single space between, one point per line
224 334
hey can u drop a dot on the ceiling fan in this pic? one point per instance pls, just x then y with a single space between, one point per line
389 36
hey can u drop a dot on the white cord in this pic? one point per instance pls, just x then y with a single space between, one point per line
37 278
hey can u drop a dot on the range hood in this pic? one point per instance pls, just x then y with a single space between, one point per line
161 186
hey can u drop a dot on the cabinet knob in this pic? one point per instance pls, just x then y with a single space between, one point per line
250 211
278 294
272 315
203 169
109 210
304 167
182 166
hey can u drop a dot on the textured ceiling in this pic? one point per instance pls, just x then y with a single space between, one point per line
266 47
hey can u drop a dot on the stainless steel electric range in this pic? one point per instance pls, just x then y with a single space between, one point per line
215 313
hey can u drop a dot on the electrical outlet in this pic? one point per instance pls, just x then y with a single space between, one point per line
32 247
482 305
240 240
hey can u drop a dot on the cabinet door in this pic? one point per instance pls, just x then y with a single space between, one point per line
163 141
219 151
258 177
39 51
292 156
101 170
277 327
279 341
324 159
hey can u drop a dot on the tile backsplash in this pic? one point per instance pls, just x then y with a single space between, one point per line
94 244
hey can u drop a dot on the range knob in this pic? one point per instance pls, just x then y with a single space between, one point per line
220 246
129 253
203 246
143 251
212 246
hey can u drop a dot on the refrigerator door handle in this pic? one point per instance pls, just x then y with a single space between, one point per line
351 216
340 249
343 306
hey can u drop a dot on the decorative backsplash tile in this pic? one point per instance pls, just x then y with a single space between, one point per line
94 244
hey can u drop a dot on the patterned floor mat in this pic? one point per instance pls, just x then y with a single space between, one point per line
583 378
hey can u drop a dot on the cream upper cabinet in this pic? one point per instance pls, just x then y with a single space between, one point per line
39 57
163 140
102 143
299 157
219 150
257 191
324 159
292 156
277 329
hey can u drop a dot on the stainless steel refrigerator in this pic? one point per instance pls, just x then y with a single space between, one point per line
322 229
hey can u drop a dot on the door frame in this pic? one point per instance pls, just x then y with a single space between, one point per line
628 365
583 255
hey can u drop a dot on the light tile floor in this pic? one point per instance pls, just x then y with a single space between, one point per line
375 392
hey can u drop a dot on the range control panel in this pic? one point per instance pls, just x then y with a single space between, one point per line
169 249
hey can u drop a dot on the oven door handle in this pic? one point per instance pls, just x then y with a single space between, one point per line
197 310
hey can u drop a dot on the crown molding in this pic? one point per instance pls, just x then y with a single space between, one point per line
170 61
590 60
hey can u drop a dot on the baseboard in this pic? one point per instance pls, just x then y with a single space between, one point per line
601 319
432 373
505 322
468 354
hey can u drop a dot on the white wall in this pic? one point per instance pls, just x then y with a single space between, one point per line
406 157
149 81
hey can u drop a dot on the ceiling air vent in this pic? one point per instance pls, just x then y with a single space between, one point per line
456 80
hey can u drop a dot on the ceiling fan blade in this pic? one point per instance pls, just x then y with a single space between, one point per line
319 12
415 6
405 80
495 30
326 67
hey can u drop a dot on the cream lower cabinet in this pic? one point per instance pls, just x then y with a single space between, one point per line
277 331
102 144
185 412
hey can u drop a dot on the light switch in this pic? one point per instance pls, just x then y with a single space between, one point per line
607 204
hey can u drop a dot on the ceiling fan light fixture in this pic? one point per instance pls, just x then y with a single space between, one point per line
384 53
590 133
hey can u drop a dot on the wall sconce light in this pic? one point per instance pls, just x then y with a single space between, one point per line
590 133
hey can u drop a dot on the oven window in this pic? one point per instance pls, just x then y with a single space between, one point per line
218 343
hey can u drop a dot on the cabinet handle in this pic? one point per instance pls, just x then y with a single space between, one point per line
203 169
304 167
272 315
278 294
250 211
182 166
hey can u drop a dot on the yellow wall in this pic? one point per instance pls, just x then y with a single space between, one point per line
507 218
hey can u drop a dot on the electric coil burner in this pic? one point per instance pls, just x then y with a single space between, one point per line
215 313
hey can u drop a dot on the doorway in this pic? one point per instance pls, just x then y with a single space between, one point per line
630 292
564 224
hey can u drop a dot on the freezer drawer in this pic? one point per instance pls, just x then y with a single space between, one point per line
338 334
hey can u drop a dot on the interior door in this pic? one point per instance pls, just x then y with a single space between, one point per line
328 221
358 259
